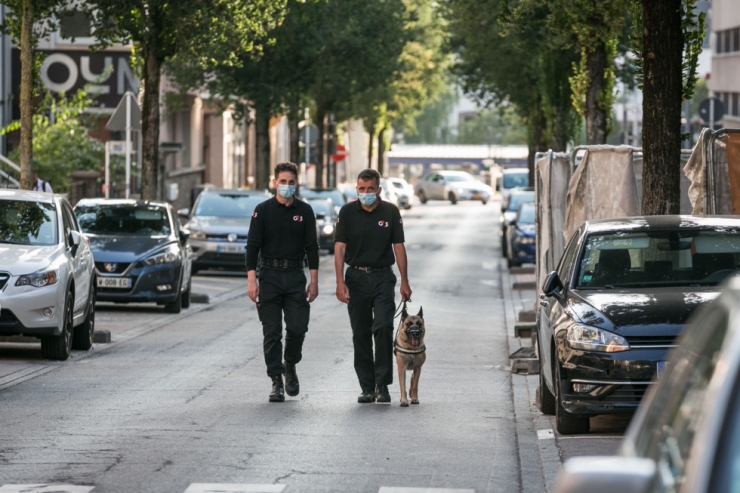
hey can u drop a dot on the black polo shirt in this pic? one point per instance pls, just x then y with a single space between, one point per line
369 235
283 232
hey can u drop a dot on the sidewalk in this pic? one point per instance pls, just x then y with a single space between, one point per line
539 455
21 361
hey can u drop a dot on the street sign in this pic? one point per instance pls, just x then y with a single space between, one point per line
313 134
711 110
117 121
340 154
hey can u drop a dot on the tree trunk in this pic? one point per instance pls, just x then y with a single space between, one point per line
381 150
560 133
663 45
370 128
596 115
152 72
262 142
537 123
26 95
294 138
320 146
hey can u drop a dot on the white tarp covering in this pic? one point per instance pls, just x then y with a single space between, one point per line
604 186
695 172
551 186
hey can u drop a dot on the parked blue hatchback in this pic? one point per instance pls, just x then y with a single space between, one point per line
141 254
520 237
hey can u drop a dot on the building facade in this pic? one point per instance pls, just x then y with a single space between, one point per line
724 82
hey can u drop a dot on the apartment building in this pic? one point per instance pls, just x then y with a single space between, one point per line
724 82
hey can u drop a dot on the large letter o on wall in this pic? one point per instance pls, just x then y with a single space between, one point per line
65 60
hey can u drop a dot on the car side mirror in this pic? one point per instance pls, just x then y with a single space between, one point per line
184 212
512 222
623 474
74 239
184 234
553 286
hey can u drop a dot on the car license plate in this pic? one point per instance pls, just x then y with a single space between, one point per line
114 282
477 196
661 369
230 248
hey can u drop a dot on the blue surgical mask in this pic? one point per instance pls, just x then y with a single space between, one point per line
366 198
286 191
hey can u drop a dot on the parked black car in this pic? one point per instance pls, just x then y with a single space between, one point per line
509 208
326 221
620 297
520 237
140 252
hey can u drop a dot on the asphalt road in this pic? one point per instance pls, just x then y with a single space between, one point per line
179 402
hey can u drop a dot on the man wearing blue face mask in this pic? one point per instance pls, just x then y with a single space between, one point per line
369 238
281 234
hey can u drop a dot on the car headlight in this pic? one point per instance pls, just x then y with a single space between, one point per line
328 229
525 240
38 279
162 257
460 190
592 339
198 235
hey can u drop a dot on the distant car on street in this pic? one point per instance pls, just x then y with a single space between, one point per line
511 179
219 224
389 192
141 254
509 210
349 191
404 191
520 237
453 186
685 437
47 275
326 220
336 195
616 305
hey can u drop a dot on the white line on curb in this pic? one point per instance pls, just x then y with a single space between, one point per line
545 434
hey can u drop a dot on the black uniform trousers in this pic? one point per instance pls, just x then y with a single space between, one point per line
371 308
282 293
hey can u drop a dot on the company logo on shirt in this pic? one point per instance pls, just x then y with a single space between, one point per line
383 224
254 214
298 219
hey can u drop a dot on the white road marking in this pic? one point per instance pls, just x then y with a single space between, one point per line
489 282
545 434
45 488
395 489
489 265
233 488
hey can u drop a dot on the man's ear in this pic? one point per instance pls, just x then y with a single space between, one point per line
421 312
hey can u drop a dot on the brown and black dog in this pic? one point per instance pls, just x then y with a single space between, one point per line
410 353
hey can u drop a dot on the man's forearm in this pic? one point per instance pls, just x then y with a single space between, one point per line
401 260
339 249
314 275
252 275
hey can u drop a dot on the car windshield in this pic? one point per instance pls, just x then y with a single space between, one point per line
321 207
227 204
516 200
350 192
335 195
123 219
28 223
663 258
459 178
526 213
514 180
398 184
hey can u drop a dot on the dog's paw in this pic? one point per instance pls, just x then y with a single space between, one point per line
415 401
404 404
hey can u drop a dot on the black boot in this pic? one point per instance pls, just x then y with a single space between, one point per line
366 397
382 394
277 394
292 386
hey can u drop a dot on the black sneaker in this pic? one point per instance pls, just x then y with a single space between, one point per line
292 386
382 394
366 397
277 394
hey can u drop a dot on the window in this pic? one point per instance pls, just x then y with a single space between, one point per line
734 110
76 25
736 39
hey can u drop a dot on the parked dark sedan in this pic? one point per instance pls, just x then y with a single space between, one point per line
520 237
326 220
140 252
620 297
509 209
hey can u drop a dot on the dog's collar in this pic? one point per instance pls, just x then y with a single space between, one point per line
410 351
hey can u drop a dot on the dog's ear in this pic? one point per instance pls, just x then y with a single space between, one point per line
404 314
421 312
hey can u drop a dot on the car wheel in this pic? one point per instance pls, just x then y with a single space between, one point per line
484 201
194 270
83 334
503 246
174 306
423 197
547 400
452 198
186 295
566 423
59 347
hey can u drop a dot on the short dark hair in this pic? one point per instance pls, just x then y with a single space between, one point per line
290 167
369 174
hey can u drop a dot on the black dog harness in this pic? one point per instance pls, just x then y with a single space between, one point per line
399 349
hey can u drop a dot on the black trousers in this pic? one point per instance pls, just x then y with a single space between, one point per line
371 308
282 293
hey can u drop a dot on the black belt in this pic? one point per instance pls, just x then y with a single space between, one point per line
369 269
281 264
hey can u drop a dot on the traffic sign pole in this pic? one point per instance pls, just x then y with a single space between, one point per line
128 143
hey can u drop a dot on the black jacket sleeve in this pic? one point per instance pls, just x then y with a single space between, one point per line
310 241
397 235
254 237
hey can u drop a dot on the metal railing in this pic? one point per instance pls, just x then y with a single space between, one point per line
709 184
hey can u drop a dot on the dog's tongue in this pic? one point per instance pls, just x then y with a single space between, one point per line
414 341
